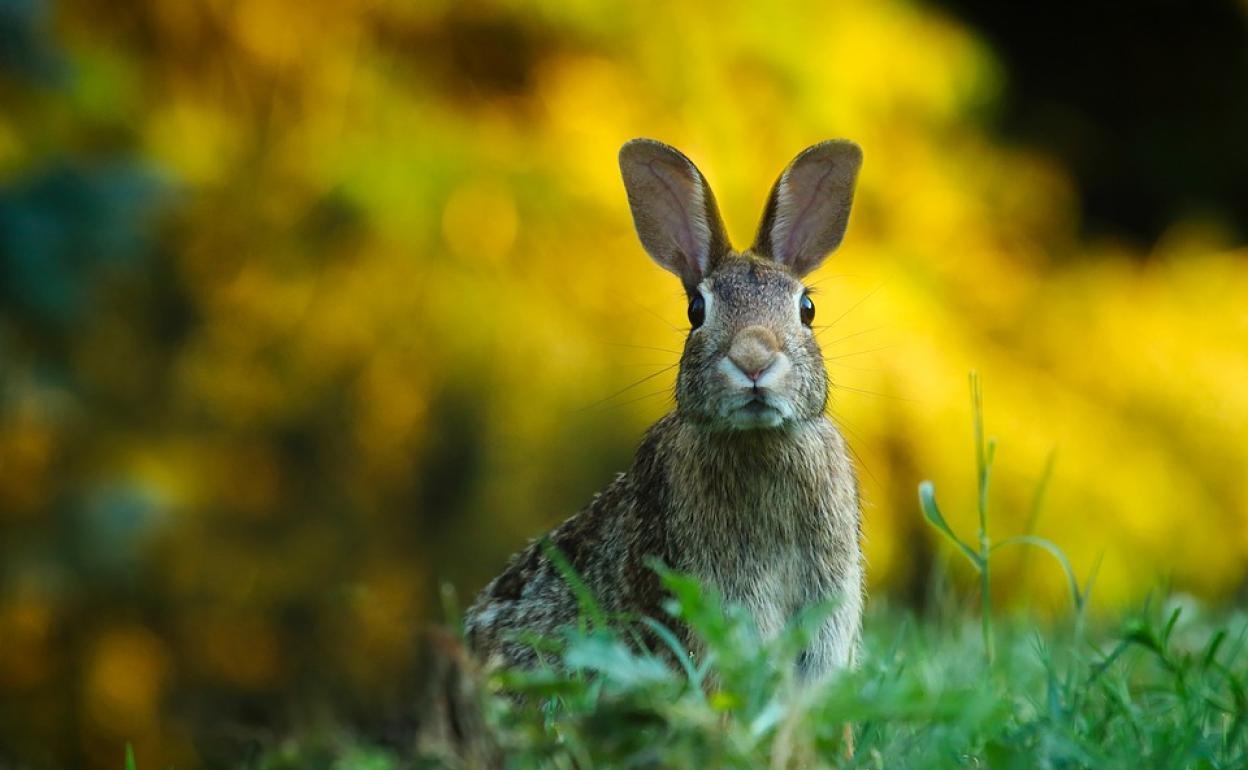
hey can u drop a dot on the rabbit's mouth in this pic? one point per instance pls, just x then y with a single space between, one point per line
756 411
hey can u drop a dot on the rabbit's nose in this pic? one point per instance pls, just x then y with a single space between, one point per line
754 350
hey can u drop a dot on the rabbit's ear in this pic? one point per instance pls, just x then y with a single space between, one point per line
808 209
673 209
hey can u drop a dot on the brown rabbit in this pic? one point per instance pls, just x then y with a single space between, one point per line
747 485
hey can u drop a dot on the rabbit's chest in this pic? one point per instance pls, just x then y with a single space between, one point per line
772 589
772 561
773 527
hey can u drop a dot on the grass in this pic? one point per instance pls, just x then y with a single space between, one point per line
981 557
1165 687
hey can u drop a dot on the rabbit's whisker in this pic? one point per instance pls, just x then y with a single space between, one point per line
622 391
873 393
848 367
643 347
857 353
668 391
851 308
825 278
847 336
857 436
654 313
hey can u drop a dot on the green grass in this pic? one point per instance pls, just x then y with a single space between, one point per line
980 557
1162 688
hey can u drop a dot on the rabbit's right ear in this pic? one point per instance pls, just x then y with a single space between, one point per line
808 208
673 209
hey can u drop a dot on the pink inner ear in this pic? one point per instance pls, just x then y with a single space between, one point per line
681 206
803 189
812 201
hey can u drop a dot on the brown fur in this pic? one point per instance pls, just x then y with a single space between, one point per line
747 485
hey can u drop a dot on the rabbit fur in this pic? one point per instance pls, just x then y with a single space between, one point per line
747 485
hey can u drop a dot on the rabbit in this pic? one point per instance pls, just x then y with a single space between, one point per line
747 485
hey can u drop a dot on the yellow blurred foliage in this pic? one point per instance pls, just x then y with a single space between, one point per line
496 250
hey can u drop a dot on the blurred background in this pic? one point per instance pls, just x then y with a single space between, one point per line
306 308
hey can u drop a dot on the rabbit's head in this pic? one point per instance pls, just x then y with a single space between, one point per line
751 360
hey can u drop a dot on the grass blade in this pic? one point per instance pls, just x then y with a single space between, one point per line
1049 546
931 511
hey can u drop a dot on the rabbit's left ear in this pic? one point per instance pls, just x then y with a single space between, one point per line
808 209
673 209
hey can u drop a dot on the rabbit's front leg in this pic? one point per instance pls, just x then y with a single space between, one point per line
835 648
835 645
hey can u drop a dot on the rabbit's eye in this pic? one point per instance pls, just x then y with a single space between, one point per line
697 311
807 309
